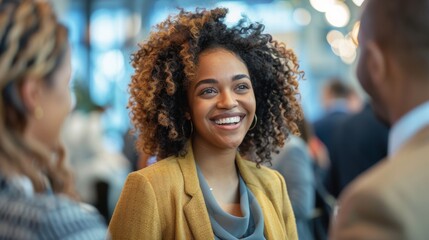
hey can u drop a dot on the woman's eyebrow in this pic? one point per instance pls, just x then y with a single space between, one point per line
206 81
212 81
240 76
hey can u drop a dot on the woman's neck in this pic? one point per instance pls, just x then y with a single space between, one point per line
221 174
214 162
217 165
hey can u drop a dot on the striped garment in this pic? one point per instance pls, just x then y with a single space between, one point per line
27 215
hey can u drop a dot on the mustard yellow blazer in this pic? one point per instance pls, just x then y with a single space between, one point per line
164 201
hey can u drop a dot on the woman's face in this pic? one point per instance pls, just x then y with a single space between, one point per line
55 101
221 100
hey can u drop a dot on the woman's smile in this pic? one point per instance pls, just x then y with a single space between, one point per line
228 121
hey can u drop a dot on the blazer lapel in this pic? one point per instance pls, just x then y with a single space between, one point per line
271 226
195 210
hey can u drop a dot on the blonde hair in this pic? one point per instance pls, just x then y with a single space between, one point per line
32 43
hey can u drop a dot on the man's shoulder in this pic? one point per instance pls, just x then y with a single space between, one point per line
394 177
392 193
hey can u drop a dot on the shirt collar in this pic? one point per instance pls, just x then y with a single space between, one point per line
407 126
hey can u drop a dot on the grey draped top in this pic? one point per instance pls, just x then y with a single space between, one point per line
226 226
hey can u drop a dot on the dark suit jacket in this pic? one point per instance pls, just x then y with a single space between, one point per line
360 141
390 201
325 127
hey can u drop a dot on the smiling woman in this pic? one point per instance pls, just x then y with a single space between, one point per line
203 95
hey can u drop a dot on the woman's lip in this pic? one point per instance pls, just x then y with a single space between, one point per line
227 115
231 126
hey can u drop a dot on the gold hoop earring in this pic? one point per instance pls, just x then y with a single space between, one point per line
192 128
38 113
254 122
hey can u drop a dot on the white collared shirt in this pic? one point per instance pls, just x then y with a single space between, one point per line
407 126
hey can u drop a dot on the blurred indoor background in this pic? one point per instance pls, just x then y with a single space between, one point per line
104 33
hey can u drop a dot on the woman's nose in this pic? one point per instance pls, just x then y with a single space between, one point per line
227 100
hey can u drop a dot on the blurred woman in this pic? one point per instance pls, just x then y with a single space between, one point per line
37 197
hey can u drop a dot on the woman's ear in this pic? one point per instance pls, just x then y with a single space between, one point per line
376 64
31 90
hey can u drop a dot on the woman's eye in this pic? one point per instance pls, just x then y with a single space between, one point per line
242 87
208 91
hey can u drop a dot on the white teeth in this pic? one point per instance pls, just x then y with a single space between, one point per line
230 120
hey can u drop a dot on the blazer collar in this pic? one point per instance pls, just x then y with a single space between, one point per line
245 172
188 167
195 210
272 227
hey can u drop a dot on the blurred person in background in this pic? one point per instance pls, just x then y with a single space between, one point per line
129 149
361 141
390 200
338 98
295 163
99 170
37 195
138 159
203 95
316 226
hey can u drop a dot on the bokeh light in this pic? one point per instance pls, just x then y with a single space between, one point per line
338 14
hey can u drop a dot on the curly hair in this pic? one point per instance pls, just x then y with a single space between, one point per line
32 44
167 61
